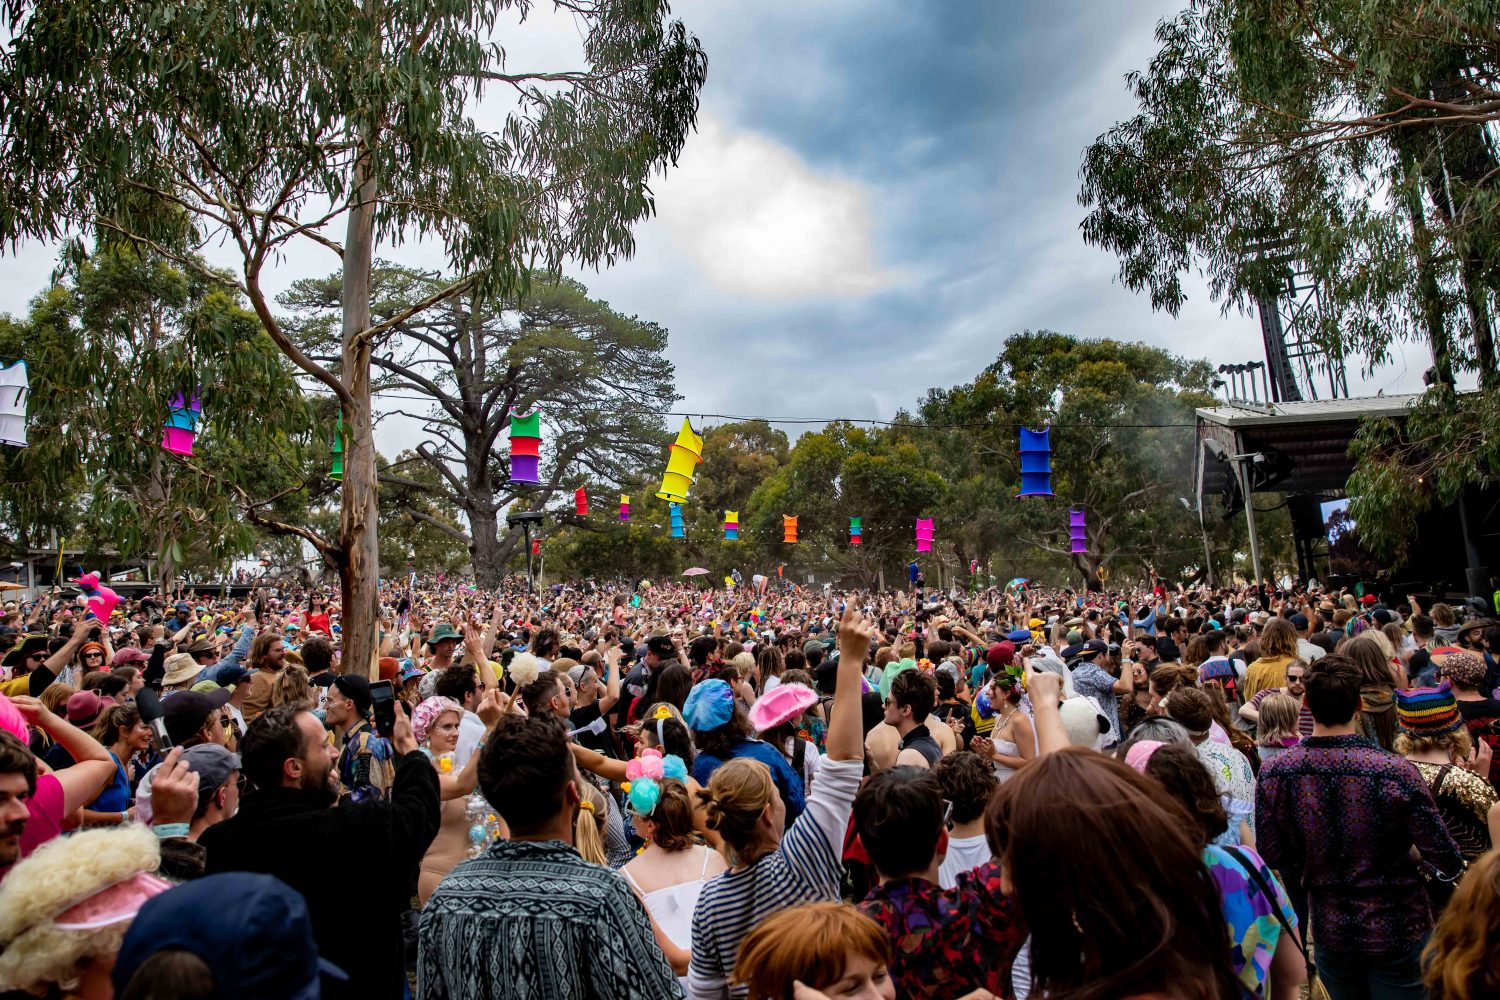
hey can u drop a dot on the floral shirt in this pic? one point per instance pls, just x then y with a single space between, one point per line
1236 784
1254 930
948 942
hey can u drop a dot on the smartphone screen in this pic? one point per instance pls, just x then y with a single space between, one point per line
383 700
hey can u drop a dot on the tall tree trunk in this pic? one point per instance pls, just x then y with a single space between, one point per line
487 552
357 525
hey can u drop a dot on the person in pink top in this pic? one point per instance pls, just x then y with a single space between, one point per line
34 800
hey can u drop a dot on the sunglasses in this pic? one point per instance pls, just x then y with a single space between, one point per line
37 656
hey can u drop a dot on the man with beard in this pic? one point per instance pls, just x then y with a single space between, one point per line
352 864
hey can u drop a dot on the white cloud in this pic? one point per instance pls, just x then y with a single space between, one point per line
758 221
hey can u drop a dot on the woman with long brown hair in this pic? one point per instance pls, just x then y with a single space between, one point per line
1110 878
1377 689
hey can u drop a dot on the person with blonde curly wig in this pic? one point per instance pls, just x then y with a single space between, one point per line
1462 959
65 909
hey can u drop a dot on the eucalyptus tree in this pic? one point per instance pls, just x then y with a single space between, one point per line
598 378
271 123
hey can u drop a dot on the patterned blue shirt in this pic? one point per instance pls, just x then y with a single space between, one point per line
534 921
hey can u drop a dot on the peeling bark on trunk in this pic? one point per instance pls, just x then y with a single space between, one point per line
359 517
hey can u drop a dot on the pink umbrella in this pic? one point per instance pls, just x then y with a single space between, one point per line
695 571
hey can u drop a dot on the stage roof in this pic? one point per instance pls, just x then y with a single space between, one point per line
1305 445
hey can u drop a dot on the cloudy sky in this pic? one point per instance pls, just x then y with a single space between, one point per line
879 193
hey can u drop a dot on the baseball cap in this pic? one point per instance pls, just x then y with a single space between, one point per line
661 645
228 675
213 764
186 712
1094 646
262 946
128 655
356 689
1298 620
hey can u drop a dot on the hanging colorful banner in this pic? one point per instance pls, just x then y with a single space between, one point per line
182 424
856 530
788 530
1078 531
581 502
924 534
624 508
682 458
15 386
1036 463
526 448
337 472
678 529
731 525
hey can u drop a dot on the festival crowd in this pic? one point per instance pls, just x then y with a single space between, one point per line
635 790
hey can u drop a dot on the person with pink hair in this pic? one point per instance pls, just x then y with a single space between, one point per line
434 725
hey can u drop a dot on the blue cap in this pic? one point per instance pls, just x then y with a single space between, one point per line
1019 635
258 945
709 705
228 675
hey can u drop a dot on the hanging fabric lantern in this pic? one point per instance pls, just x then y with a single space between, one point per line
15 386
624 508
182 424
789 529
526 448
683 457
1078 531
536 546
678 529
581 502
1036 463
731 526
337 473
856 529
924 534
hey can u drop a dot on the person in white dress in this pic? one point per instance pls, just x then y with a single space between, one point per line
670 871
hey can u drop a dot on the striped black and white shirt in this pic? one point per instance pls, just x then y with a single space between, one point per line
806 868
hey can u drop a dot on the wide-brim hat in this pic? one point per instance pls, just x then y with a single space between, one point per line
20 651
181 668
785 703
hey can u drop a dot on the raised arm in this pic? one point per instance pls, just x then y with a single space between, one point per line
845 733
94 768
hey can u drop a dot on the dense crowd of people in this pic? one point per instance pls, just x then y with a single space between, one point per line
632 790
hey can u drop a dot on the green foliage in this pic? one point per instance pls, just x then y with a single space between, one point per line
108 346
599 378
419 524
1349 140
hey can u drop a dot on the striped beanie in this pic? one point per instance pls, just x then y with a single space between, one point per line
1428 712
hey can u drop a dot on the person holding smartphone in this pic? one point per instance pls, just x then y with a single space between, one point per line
366 764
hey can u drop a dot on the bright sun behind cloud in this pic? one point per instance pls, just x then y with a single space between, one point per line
759 221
